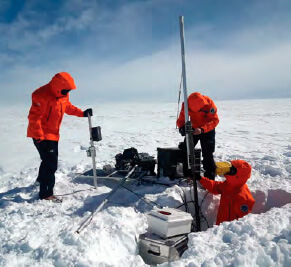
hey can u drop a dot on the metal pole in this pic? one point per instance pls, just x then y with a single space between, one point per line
93 152
182 37
188 127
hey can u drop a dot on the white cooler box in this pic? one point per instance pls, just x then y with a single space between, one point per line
169 222
156 250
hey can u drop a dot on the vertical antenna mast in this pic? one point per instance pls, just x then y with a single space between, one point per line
188 128
182 36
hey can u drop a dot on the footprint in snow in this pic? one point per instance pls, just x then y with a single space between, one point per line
270 158
270 170
287 154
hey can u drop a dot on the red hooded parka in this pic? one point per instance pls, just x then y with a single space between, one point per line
202 112
236 199
48 108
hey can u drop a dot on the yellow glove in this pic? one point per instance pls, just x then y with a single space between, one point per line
222 168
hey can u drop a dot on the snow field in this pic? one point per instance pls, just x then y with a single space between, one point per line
39 233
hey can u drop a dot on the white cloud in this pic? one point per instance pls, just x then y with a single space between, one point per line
252 63
218 73
222 73
247 75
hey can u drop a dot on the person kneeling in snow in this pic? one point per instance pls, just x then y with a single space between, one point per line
236 199
49 103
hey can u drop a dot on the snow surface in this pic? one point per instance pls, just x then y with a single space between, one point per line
41 233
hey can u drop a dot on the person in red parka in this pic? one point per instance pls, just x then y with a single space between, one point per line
204 119
236 199
49 103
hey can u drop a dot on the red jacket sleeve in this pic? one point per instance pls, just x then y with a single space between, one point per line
35 115
210 125
214 120
72 110
213 187
181 119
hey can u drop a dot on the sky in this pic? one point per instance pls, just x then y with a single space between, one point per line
120 50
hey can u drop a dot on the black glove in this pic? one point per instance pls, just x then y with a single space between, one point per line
87 112
182 130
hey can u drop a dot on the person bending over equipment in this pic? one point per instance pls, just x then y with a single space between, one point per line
49 103
204 119
236 199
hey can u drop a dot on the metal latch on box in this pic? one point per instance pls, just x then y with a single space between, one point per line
155 250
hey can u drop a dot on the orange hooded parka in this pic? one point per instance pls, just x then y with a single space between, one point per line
48 108
202 112
236 199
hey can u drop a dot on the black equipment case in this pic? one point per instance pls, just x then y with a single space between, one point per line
170 162
147 163
156 250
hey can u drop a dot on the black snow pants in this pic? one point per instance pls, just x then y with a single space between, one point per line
48 151
207 142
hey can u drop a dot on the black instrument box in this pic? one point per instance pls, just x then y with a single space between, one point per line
170 162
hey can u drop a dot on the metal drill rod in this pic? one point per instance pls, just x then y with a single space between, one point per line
188 127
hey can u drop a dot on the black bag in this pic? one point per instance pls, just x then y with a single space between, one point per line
130 154
130 157
127 159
